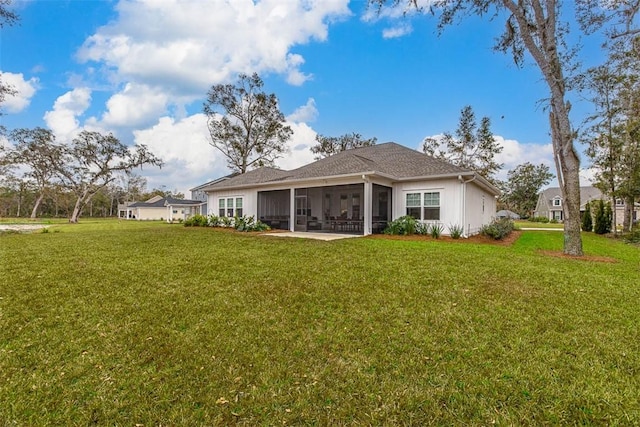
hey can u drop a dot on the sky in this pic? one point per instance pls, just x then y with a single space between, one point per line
141 70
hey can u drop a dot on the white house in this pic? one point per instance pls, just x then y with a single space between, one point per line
359 191
161 208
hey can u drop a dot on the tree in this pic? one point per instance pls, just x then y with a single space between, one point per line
329 145
472 148
603 218
587 221
246 124
7 17
37 151
534 26
520 191
91 162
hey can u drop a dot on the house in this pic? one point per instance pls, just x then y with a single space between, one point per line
161 208
359 191
198 193
550 204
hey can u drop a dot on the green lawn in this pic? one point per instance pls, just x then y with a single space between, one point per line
125 323
530 224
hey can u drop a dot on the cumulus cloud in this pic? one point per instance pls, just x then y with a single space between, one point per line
305 113
63 119
135 105
25 89
299 147
188 46
184 147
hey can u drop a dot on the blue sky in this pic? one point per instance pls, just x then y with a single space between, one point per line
141 69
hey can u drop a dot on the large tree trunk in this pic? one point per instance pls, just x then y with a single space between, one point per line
36 205
627 223
76 211
540 38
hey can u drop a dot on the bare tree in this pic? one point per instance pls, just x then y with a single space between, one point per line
91 163
246 124
329 145
37 150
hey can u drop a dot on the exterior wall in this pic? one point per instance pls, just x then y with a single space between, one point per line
450 199
145 214
249 201
480 208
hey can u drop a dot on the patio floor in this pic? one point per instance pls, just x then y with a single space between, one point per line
311 235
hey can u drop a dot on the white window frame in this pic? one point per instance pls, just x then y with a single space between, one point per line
419 201
556 202
230 206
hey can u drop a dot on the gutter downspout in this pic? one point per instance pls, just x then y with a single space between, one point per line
464 202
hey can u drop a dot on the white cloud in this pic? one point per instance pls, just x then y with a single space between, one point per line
135 105
25 89
299 147
183 145
391 11
188 46
63 119
304 113
397 31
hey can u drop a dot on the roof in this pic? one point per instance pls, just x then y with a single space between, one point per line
389 159
161 202
206 184
505 213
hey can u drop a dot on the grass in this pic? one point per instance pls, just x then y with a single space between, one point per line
124 323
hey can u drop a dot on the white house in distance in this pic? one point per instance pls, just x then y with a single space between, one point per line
359 191
161 208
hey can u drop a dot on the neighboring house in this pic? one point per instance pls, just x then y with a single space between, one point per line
507 214
359 191
198 193
550 204
161 208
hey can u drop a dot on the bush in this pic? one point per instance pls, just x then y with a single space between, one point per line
403 226
498 229
456 231
196 221
587 221
435 230
603 219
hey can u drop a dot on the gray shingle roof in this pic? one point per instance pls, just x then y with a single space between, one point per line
389 159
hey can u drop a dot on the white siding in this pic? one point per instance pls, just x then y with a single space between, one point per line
480 208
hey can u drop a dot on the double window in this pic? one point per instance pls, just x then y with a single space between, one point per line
230 206
424 206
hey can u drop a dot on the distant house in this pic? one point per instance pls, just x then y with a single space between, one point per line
359 191
161 208
550 204
198 193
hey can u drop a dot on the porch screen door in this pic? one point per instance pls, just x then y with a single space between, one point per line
301 213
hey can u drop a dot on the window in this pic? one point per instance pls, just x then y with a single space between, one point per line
432 206
239 206
413 205
557 202
230 207
175 211
226 207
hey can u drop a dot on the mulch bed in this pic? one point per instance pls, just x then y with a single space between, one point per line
478 238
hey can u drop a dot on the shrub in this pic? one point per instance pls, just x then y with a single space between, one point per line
248 223
498 229
603 219
587 221
435 230
403 226
553 221
456 231
196 221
